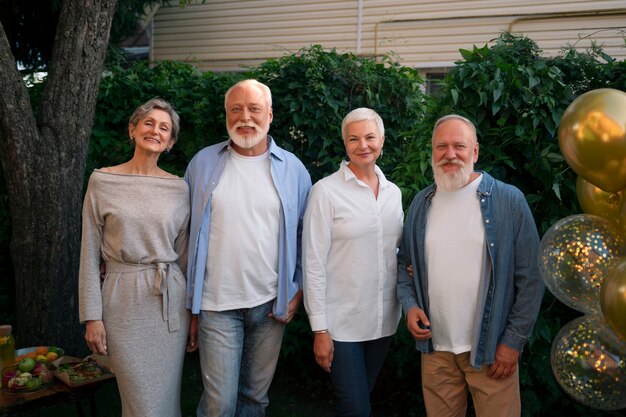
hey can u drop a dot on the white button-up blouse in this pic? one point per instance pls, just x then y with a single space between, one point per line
350 241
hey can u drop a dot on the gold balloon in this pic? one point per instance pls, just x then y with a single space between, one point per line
620 220
592 137
594 200
613 298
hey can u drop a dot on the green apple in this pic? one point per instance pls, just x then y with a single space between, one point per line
33 383
26 364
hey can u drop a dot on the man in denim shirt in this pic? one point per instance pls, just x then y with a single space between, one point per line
470 244
244 280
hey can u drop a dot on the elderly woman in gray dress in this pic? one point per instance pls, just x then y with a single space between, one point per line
135 220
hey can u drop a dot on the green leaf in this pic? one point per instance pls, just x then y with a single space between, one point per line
497 93
467 55
455 95
557 190
495 107
555 157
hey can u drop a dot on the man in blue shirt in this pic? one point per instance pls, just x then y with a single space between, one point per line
248 198
471 244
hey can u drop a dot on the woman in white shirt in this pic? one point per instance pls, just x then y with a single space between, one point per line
352 228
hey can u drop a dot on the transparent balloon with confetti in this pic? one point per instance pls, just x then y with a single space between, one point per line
589 363
575 254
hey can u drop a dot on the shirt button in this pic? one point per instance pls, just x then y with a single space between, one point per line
487 221
491 244
482 200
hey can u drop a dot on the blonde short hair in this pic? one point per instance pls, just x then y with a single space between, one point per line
358 115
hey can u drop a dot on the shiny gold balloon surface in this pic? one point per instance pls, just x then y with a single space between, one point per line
613 298
589 362
575 254
594 200
592 137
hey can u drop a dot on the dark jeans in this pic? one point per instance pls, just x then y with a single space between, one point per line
354 370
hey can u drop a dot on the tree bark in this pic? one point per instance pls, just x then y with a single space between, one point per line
43 153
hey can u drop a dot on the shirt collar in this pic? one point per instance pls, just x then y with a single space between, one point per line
349 175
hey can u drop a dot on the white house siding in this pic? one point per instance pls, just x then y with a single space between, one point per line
229 35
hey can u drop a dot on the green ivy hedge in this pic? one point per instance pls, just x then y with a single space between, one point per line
312 91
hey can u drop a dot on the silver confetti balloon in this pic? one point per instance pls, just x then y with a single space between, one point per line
589 362
575 255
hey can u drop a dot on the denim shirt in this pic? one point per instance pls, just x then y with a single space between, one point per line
511 290
292 182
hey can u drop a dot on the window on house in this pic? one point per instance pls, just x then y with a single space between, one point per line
432 82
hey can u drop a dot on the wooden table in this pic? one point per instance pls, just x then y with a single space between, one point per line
59 393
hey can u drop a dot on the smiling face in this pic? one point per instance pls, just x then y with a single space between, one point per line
363 144
248 118
153 133
455 150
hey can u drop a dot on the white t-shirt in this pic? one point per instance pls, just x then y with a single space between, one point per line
243 241
455 253
349 242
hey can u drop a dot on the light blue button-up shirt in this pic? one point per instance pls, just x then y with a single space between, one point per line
511 290
292 182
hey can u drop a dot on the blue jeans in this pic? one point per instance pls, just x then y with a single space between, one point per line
238 355
353 372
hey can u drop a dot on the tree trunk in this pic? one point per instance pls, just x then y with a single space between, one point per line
43 154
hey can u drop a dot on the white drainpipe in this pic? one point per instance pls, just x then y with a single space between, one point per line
359 24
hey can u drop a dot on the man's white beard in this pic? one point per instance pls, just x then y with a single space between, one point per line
250 141
455 180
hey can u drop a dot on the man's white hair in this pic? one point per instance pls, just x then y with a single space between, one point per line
267 93
455 117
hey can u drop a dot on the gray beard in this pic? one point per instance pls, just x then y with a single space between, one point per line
250 142
452 182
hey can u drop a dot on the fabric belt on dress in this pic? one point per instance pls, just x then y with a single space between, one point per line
163 275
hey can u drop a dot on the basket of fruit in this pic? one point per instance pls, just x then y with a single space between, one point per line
27 376
32 371
45 354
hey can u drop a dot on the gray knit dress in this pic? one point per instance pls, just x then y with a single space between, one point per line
138 225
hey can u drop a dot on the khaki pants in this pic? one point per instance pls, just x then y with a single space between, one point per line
446 378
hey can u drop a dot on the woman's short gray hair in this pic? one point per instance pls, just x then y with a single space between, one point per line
158 104
358 115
